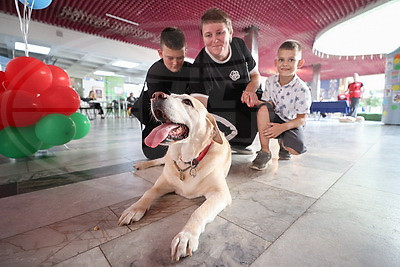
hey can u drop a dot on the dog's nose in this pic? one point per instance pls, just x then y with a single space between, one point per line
159 96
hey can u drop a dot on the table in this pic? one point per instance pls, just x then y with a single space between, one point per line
341 106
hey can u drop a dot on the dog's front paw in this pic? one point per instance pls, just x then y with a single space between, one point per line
131 214
141 165
183 244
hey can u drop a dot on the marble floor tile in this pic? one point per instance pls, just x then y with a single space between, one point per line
264 210
49 181
160 208
348 226
52 205
335 205
291 176
378 169
66 239
93 257
150 174
222 244
12 168
97 164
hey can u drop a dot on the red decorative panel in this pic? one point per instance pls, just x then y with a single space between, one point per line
277 21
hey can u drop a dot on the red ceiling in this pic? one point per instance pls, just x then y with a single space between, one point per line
277 21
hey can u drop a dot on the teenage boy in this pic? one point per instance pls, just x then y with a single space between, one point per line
283 107
170 74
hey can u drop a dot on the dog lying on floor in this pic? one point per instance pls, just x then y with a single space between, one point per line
196 164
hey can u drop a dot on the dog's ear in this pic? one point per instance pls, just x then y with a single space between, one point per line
216 132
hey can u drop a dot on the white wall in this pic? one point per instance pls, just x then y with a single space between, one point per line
90 84
136 89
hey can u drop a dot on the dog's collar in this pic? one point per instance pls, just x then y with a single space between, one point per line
193 164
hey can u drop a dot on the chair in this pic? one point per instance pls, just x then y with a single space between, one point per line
87 109
112 108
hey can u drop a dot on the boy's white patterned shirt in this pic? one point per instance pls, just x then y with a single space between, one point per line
289 100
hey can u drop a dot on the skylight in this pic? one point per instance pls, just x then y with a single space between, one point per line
373 32
125 64
32 48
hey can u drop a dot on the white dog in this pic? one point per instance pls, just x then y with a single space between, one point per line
196 164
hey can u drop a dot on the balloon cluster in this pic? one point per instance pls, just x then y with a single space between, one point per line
37 4
37 108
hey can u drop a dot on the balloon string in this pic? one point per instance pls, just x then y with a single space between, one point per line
24 21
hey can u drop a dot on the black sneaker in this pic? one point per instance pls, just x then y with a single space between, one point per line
240 150
261 161
283 153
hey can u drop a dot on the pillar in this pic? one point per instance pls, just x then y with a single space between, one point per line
316 82
391 96
251 40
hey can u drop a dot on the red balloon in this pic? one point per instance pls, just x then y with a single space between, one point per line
2 81
19 108
60 99
60 77
28 74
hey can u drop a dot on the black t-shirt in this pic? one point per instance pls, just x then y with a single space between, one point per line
159 78
222 82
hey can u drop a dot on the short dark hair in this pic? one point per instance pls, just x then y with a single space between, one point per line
216 15
173 38
291 45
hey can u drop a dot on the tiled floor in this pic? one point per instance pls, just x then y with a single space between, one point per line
336 205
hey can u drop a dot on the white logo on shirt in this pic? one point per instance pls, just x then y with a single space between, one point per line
234 75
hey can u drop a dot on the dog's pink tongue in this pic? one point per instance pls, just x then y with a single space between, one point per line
159 134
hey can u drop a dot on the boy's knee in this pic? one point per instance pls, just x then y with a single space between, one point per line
265 107
294 144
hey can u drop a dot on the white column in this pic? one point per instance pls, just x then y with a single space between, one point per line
316 82
251 40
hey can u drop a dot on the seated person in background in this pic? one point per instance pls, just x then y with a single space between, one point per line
283 107
92 96
170 74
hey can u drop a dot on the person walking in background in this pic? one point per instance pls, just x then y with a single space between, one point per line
224 77
131 99
169 75
355 90
283 108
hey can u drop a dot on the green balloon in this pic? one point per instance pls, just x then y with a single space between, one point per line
82 124
45 146
19 142
55 129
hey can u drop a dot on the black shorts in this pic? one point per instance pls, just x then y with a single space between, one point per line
293 138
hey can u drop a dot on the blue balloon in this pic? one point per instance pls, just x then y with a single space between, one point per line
37 4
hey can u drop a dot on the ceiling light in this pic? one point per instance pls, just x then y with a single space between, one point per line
125 64
103 73
107 73
122 19
371 32
33 48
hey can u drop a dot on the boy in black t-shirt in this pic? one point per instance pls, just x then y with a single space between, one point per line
224 76
170 74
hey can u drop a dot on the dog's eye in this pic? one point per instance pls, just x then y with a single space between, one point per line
187 102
